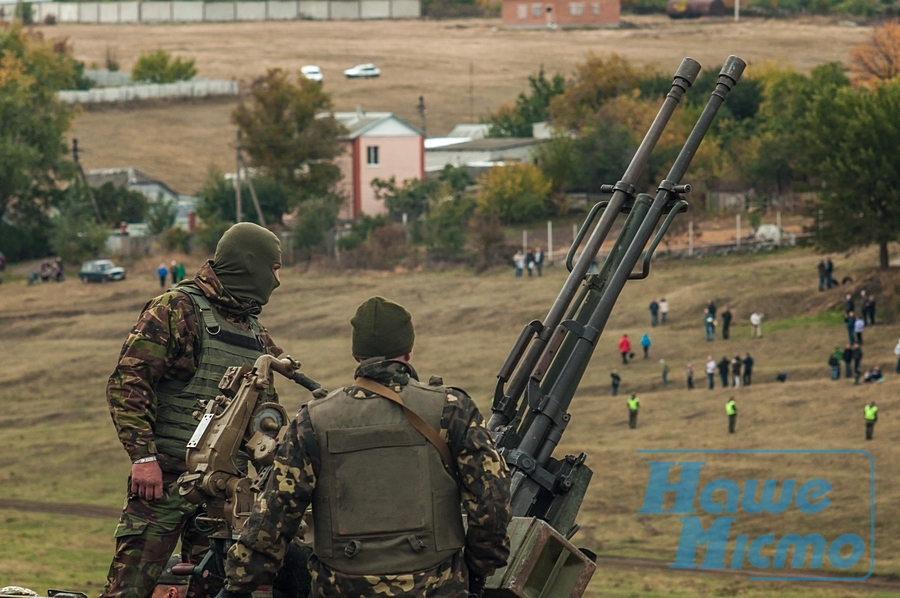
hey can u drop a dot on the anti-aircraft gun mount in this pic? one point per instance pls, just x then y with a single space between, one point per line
238 426
549 358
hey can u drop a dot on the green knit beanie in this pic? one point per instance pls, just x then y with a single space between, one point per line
382 328
244 259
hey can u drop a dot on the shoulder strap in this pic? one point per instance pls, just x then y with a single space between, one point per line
423 427
203 306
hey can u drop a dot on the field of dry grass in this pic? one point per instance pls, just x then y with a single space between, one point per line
60 342
178 141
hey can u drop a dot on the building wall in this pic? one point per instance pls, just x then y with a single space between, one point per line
400 157
519 13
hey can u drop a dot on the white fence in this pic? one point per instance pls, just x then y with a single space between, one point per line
194 88
193 12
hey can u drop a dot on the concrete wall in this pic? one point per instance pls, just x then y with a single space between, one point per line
185 11
181 89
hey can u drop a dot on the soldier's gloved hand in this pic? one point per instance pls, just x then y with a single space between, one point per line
476 586
320 393
146 480
223 593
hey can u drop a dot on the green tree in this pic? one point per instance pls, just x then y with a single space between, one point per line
161 215
158 67
119 204
852 141
446 226
285 138
515 120
75 233
217 199
33 123
514 193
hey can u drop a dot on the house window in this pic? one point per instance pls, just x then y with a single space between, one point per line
537 10
595 9
576 9
522 10
372 155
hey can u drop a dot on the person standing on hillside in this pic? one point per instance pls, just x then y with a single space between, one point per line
663 310
848 359
711 306
822 275
731 411
519 262
723 371
162 272
870 412
646 344
709 323
711 371
654 313
180 271
615 380
834 362
829 272
857 359
850 321
736 364
529 262
624 348
665 372
748 368
173 272
689 372
756 324
858 326
175 355
869 311
539 260
849 306
726 322
633 405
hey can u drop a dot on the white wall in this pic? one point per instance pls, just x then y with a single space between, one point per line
181 89
184 11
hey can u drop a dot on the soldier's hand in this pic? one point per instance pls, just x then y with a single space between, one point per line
320 393
146 480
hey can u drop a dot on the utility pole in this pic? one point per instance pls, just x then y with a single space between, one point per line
471 92
84 180
242 165
422 112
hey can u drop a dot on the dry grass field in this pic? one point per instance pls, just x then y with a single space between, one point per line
60 342
178 141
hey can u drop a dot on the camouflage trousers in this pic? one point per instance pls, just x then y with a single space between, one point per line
145 539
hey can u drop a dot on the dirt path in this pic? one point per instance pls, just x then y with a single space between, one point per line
875 583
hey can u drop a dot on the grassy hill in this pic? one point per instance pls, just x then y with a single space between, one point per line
60 343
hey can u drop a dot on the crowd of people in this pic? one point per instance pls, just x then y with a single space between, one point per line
49 270
176 271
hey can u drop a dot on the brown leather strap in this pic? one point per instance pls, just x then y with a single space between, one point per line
423 427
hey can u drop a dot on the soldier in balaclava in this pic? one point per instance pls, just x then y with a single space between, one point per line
176 354
386 463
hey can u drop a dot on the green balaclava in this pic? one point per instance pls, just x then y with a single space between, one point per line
244 259
382 328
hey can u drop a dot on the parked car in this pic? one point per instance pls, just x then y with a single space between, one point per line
311 72
362 71
100 271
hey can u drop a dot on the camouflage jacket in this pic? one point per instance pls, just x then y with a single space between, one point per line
484 485
165 343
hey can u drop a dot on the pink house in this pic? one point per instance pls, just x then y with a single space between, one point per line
378 145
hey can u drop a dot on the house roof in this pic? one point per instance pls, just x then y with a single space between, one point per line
360 122
492 144
471 130
124 177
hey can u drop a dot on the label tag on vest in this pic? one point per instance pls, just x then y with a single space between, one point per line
201 428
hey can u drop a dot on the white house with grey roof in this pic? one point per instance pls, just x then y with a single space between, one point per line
154 189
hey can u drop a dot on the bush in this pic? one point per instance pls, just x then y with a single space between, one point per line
158 67
24 242
514 193
383 250
446 226
50 19
177 239
74 231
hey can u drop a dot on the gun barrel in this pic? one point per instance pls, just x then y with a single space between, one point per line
506 403
546 427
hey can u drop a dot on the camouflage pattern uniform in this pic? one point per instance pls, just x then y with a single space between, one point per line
164 344
484 486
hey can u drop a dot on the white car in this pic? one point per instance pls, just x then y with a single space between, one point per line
362 71
311 72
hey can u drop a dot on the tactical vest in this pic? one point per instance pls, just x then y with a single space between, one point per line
222 345
729 408
870 412
383 503
633 404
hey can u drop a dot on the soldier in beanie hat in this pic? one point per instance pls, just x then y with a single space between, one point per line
183 342
169 585
386 463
